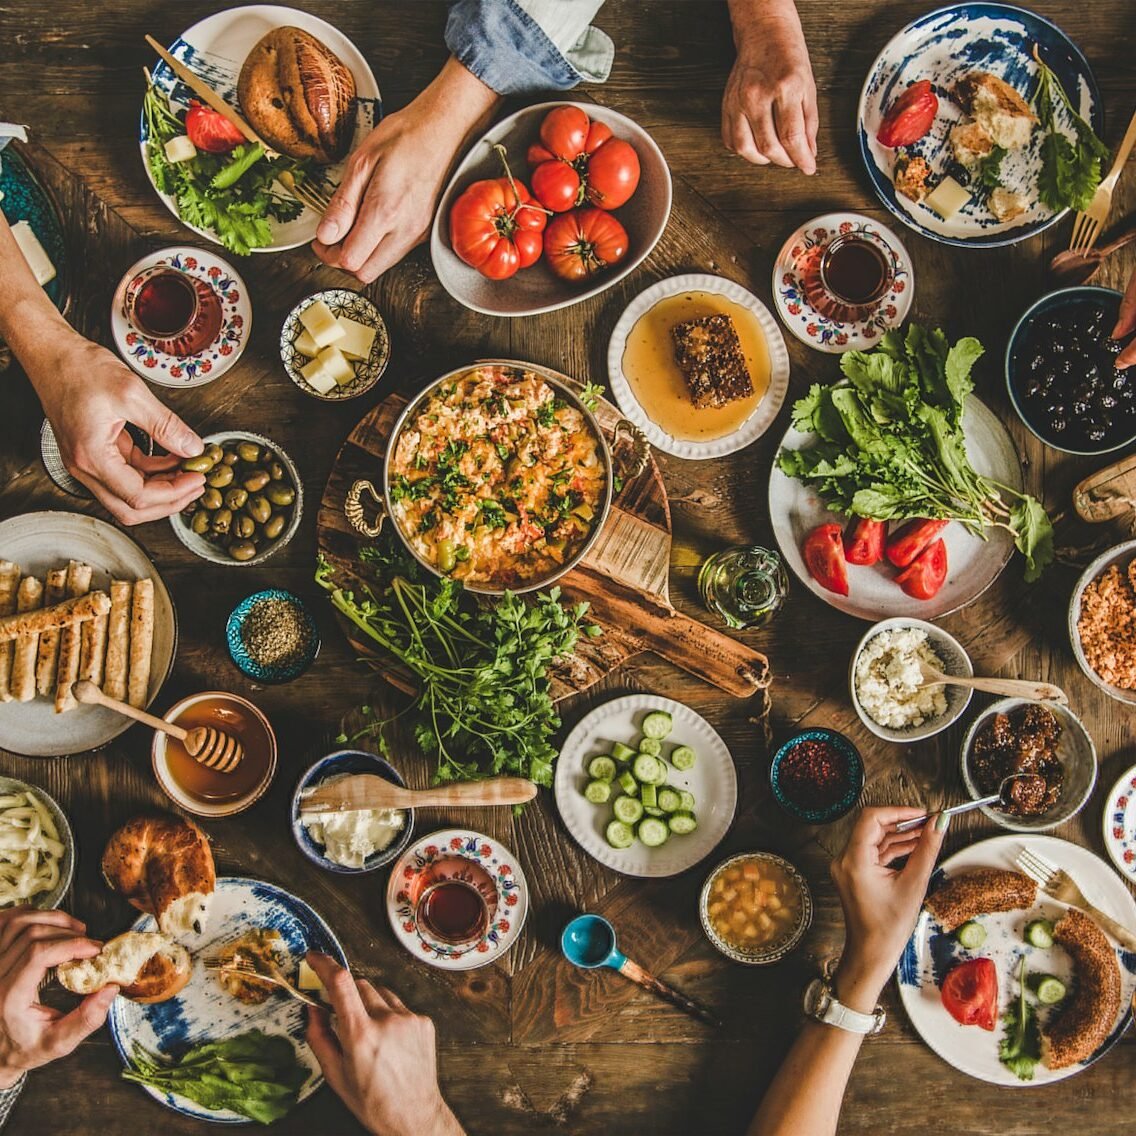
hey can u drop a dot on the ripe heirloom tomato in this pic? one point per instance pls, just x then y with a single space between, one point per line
577 161
496 228
970 993
581 243
910 116
927 573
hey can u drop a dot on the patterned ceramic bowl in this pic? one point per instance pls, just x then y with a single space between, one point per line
48 900
1121 555
262 672
846 759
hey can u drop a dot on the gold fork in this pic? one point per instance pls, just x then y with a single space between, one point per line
248 969
314 197
1056 882
1087 226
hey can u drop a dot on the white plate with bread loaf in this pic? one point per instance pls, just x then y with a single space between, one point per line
300 83
78 599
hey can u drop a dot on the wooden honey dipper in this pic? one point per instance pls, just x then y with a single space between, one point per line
210 747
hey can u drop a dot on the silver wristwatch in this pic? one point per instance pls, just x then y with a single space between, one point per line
822 1005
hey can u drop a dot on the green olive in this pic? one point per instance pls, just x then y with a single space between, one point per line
230 458
210 499
248 452
215 451
242 550
275 470
255 480
447 555
258 508
220 477
221 522
243 526
274 526
200 522
280 494
236 497
203 463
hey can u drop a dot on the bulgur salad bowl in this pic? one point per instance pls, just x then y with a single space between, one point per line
884 681
1102 615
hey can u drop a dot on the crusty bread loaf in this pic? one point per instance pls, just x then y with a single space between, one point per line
147 967
978 892
298 96
164 866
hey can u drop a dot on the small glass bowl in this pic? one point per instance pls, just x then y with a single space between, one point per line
778 948
269 674
853 764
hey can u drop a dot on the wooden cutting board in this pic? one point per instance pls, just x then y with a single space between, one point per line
623 577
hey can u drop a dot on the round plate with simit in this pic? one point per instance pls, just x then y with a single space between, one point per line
155 365
492 868
796 271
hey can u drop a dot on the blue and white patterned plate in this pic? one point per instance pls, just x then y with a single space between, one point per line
942 47
203 1011
931 952
215 49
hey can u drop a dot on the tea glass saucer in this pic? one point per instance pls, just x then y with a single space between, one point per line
156 366
797 257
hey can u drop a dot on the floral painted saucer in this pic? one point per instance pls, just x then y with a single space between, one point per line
153 364
797 262
1120 824
491 862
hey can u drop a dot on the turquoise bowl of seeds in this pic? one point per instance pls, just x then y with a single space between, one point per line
272 638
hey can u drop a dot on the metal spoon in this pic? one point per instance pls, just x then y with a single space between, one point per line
993 799
1068 267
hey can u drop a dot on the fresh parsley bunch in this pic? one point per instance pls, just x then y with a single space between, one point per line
890 444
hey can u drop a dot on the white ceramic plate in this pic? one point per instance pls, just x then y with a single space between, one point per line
930 953
536 289
1119 824
973 564
212 362
203 1011
38 542
713 781
766 410
215 50
512 898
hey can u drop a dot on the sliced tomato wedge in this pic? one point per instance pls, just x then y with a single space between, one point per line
970 993
910 539
864 541
925 575
823 551
910 116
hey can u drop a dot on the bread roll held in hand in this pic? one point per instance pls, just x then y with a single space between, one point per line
298 96
146 966
164 866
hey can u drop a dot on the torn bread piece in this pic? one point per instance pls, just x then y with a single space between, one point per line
978 892
1000 109
145 965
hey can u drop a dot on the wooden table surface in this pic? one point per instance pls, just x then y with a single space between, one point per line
528 1045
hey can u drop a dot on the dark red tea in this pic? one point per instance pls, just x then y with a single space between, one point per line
453 910
854 270
165 305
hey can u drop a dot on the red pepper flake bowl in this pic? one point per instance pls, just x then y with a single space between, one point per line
817 775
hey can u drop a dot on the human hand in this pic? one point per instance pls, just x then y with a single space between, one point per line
769 109
381 1059
31 1034
89 396
881 903
1126 324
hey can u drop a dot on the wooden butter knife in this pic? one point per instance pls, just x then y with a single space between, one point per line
369 791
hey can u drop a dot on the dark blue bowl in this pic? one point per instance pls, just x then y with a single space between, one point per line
269 675
334 764
853 763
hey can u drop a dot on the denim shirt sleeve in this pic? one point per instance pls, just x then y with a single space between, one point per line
506 44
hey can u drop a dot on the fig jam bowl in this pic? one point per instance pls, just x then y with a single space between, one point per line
817 775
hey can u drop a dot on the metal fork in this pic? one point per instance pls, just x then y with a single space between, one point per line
314 197
249 970
1056 882
1087 226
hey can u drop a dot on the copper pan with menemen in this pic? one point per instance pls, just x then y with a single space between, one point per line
499 475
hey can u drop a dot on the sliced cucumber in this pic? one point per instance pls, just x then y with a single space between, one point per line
971 935
598 792
649 795
1039 933
628 809
647 769
683 758
686 801
653 831
670 801
1049 990
653 811
657 724
651 745
681 823
621 752
661 776
602 768
619 835
628 783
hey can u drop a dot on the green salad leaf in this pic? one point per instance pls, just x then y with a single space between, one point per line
1020 1048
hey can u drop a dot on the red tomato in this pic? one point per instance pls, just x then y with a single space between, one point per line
581 243
864 541
824 557
910 116
925 575
496 230
210 130
564 132
970 993
910 539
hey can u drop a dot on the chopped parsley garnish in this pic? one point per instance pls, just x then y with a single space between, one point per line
492 515
546 413
503 451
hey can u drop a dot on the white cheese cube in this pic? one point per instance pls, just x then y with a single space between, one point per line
357 340
335 363
317 376
947 198
306 345
180 149
321 324
34 253
307 979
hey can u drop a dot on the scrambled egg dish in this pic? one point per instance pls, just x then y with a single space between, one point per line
496 480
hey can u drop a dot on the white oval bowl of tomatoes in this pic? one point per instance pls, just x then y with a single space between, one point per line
584 200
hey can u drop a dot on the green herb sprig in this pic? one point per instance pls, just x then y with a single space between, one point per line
1020 1048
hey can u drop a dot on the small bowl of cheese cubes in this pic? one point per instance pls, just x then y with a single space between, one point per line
335 345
